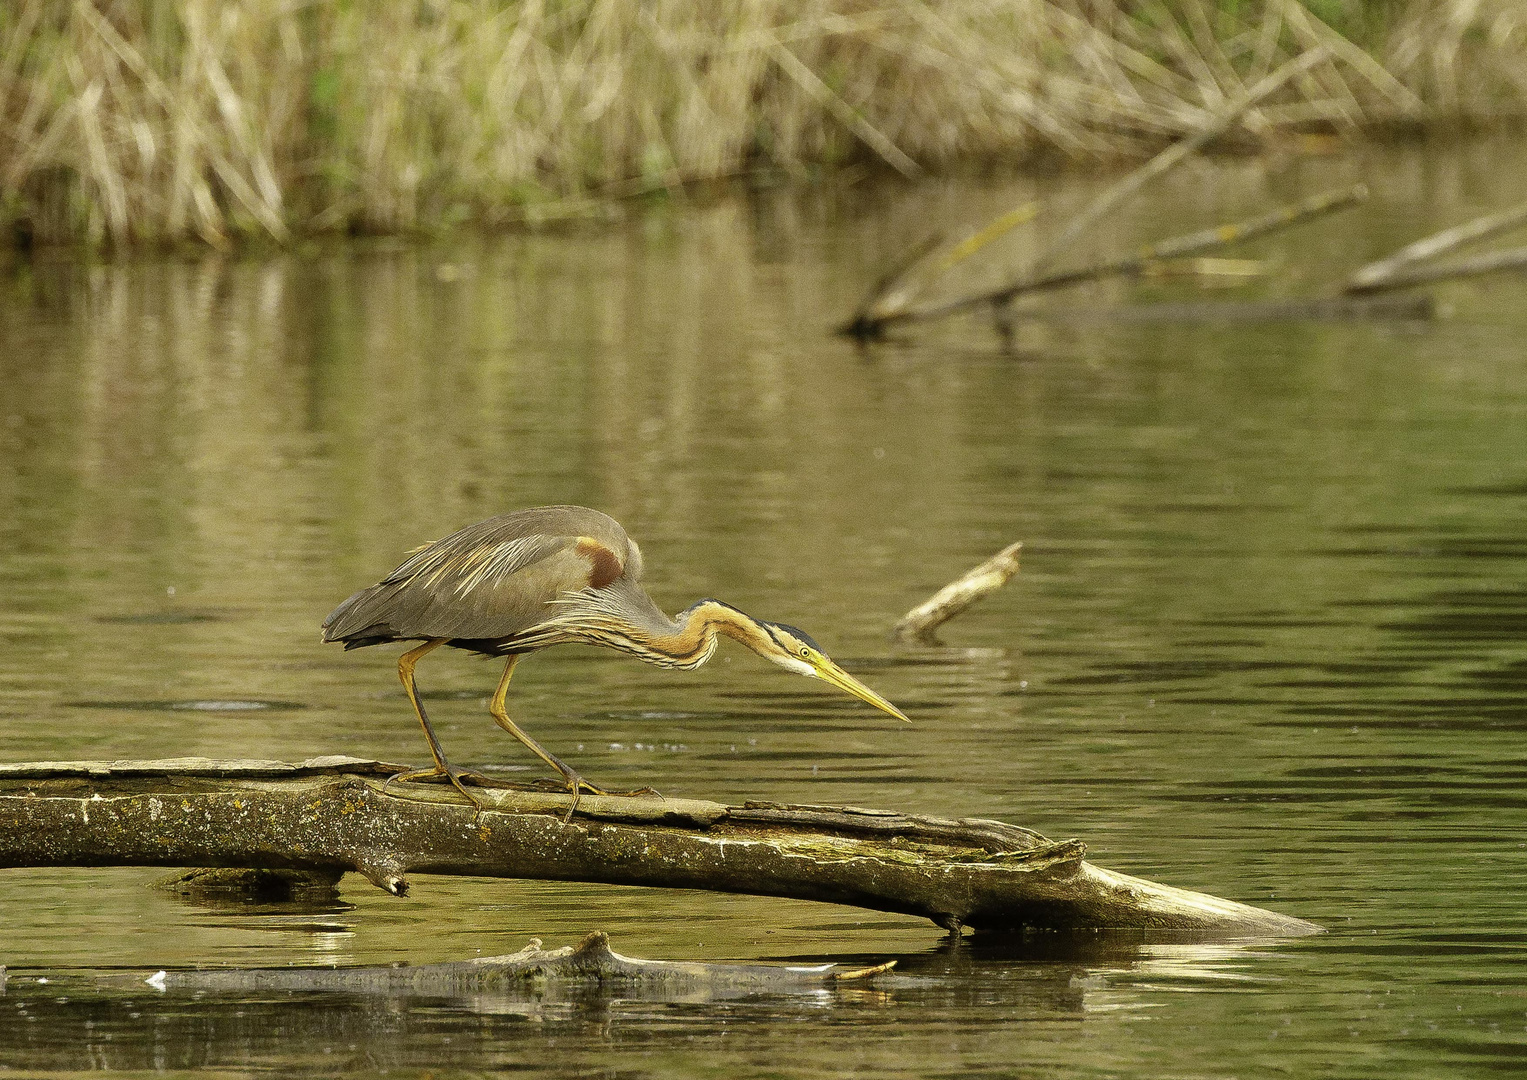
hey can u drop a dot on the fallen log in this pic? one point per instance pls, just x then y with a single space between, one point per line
343 814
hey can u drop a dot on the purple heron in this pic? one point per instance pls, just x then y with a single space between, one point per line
551 575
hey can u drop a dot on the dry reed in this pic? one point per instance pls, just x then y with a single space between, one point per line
141 120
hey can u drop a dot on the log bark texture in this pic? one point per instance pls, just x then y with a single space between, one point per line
341 814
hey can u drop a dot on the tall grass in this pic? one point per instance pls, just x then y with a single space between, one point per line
141 120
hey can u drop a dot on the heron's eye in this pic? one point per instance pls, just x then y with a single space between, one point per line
805 651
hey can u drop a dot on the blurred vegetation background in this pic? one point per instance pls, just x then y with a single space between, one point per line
126 121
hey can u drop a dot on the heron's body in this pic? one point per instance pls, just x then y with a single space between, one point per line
551 575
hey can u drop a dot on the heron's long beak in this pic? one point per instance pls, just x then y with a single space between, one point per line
826 669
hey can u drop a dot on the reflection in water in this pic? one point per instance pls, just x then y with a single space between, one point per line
1267 641
188 706
95 1019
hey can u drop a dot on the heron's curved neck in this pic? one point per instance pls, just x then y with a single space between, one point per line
691 639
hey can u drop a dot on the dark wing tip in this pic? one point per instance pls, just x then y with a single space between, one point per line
362 642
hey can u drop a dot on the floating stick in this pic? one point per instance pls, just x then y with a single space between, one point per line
920 623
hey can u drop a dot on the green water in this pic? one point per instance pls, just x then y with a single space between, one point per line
1269 641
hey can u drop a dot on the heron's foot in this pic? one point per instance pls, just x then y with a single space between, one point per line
577 786
583 787
592 790
448 773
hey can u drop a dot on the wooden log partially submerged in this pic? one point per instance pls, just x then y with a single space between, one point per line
341 814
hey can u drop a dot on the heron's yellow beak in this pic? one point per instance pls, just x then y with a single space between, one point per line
826 669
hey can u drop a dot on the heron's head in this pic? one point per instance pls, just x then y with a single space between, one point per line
792 648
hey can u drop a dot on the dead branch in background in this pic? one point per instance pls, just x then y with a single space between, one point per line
882 307
1358 297
341 814
1400 270
920 623
1174 247
894 293
1509 259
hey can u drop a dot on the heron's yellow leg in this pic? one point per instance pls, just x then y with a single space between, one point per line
406 664
577 784
501 718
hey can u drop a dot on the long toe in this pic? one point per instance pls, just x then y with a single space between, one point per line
415 775
592 790
572 781
458 780
450 774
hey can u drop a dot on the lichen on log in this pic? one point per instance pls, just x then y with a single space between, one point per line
342 814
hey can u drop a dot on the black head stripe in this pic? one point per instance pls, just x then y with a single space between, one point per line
795 632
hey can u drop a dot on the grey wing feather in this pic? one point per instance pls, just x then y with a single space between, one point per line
447 590
493 579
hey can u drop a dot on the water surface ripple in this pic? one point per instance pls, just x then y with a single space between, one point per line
1268 640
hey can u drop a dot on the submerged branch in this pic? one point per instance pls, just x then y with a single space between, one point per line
888 295
591 959
341 814
920 623
875 312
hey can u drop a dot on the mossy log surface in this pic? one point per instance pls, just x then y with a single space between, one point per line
332 814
